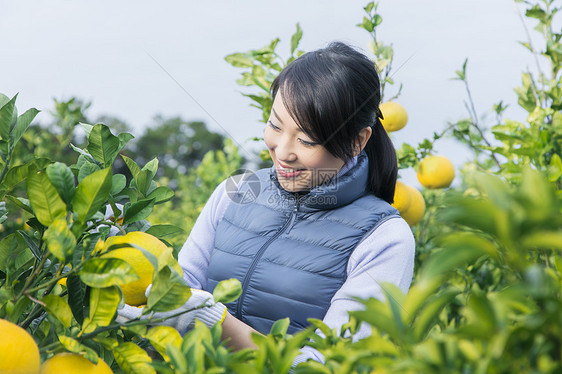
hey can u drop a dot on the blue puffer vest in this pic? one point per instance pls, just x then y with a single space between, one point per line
290 251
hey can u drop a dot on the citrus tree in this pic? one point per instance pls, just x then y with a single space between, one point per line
86 251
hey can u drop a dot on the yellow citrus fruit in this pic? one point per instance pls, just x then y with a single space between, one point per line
415 211
70 363
436 172
19 353
134 292
402 197
395 116
62 281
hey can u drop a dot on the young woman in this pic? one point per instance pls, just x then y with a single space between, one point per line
321 229
317 229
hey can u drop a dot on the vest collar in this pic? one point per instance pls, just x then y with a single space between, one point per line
348 185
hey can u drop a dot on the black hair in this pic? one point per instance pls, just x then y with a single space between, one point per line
332 93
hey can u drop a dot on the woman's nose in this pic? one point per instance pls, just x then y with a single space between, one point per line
284 150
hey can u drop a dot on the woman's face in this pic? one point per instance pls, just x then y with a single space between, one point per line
300 162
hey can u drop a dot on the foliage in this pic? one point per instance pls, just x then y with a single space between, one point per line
261 67
71 208
195 188
178 144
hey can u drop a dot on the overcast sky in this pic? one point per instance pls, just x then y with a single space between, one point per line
105 52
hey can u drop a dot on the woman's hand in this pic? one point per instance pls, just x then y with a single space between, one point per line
209 314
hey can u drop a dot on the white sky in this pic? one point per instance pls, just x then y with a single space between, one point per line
100 51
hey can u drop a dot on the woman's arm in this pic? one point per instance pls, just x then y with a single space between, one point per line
236 334
195 254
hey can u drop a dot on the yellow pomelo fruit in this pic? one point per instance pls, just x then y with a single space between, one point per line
19 353
70 363
415 211
402 198
134 291
436 172
395 116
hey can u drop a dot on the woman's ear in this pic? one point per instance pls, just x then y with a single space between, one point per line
362 139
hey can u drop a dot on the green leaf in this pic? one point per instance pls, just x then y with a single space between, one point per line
279 328
20 173
14 254
162 336
367 24
133 359
22 124
543 240
60 240
227 291
143 177
87 128
161 194
103 306
74 346
62 179
84 156
31 244
105 272
169 291
132 165
87 168
8 116
152 167
427 317
239 60
459 249
58 308
124 138
480 314
377 315
76 294
418 295
395 299
475 213
162 231
44 199
3 212
536 12
91 194
103 145
296 38
138 211
118 182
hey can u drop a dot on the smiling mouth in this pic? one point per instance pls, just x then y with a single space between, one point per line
288 172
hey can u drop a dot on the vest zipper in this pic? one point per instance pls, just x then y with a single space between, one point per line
254 263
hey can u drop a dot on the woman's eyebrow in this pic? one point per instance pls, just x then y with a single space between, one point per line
279 119
276 116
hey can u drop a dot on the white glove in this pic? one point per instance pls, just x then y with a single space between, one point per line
209 315
128 313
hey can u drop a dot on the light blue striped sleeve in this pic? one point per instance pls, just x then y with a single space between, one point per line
195 254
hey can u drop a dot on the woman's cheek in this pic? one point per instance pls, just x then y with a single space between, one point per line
268 138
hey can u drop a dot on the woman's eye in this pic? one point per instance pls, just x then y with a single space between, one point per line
308 144
273 126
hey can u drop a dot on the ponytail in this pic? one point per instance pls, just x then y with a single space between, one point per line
383 167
